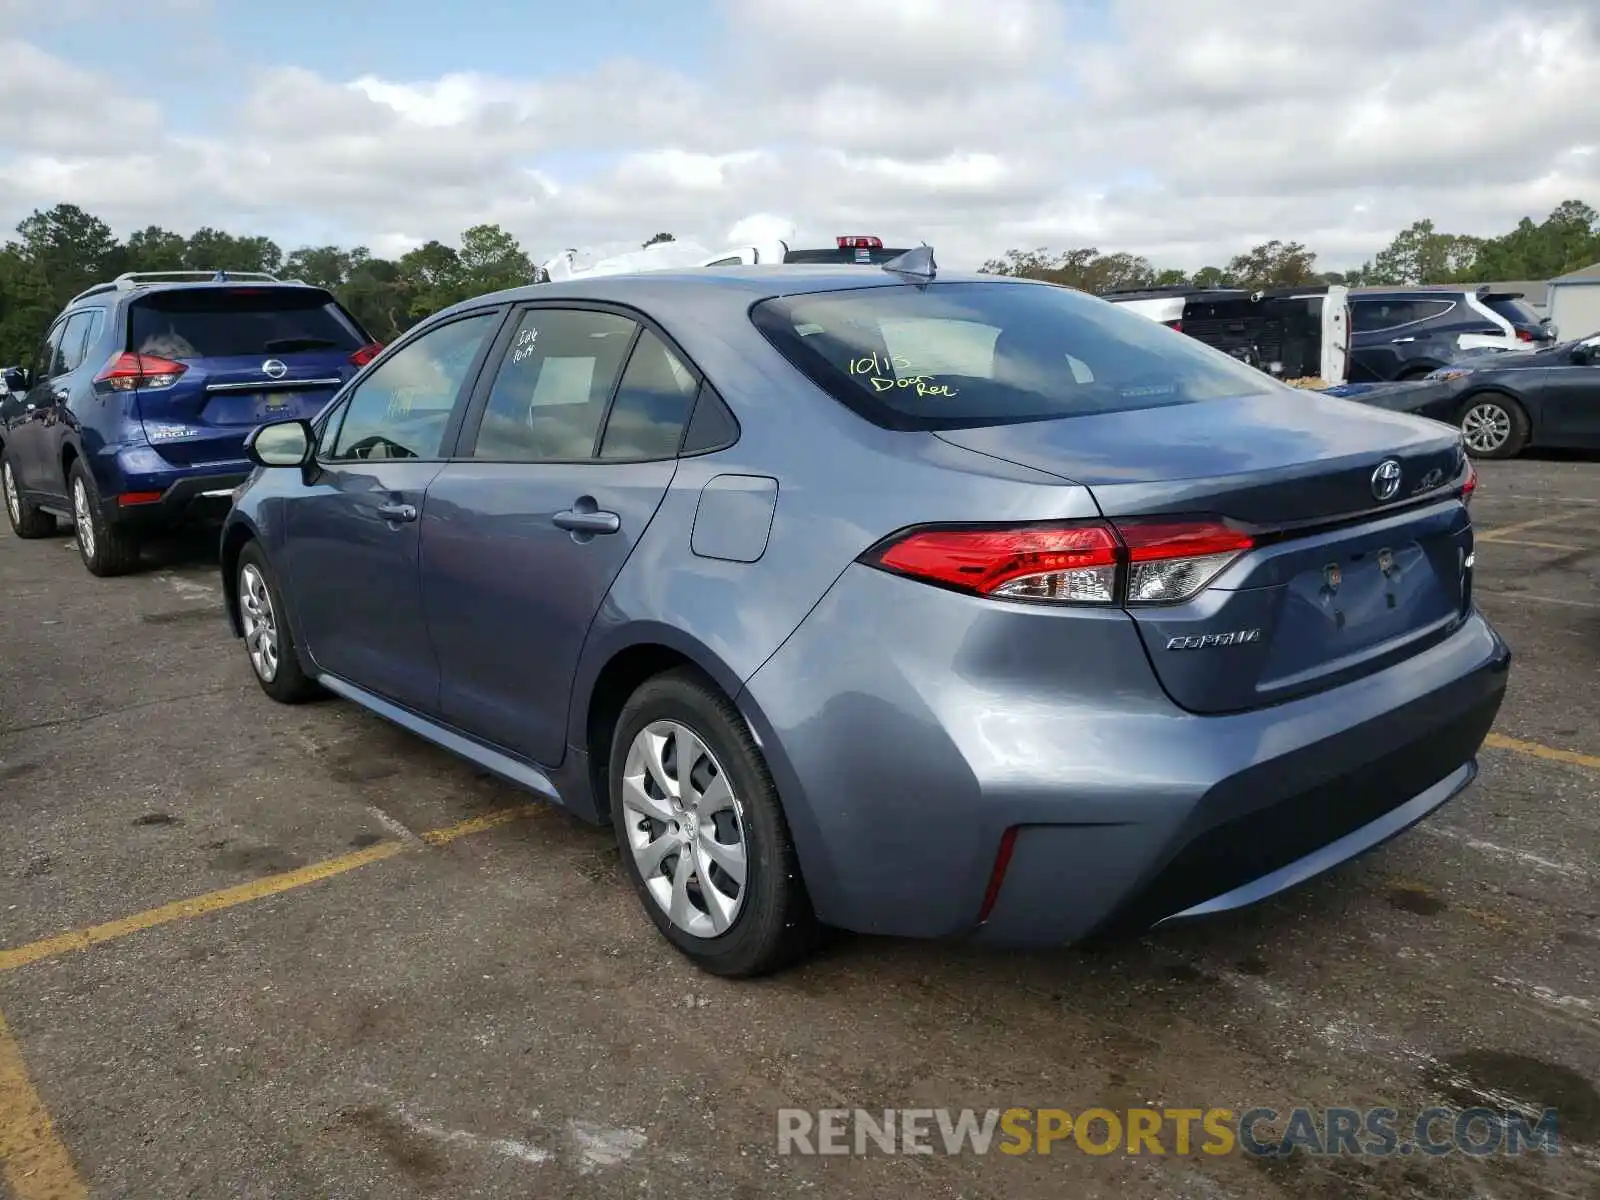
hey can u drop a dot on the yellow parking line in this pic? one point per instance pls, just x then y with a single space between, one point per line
33 1161
256 889
1500 742
1535 545
1492 535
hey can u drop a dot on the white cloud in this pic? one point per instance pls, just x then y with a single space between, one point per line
1181 129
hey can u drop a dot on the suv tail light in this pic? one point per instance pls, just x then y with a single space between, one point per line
366 354
1144 561
128 372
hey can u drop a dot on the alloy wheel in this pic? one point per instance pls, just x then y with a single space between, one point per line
260 622
685 828
1486 428
13 501
82 521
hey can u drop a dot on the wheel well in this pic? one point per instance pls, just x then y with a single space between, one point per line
618 680
69 455
233 544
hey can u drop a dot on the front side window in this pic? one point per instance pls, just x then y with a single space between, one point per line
44 363
401 409
550 393
961 354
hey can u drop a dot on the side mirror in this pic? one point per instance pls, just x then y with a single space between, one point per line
15 379
280 444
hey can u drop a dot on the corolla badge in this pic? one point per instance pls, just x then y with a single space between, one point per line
1386 479
274 369
1205 641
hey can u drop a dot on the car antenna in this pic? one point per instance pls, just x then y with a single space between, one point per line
917 262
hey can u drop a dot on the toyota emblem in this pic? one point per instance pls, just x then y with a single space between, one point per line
273 369
1386 479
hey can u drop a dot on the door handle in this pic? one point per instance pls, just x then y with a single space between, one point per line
587 522
1397 341
398 512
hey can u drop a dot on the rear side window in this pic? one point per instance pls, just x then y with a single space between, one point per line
1387 314
652 403
554 383
1513 309
961 354
74 335
234 322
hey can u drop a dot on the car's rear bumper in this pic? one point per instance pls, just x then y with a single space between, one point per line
146 491
194 500
909 729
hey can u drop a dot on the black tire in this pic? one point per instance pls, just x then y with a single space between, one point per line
774 925
1513 415
106 549
27 519
287 682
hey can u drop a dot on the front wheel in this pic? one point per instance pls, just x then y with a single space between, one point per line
268 640
702 832
27 520
1494 426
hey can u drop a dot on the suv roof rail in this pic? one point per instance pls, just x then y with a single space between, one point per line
129 280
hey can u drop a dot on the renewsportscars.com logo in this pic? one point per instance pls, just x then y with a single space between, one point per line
1260 1132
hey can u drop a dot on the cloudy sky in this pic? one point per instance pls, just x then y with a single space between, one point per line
1185 130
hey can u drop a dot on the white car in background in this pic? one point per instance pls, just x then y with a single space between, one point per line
1293 333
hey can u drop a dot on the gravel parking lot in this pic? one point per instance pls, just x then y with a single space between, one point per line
400 977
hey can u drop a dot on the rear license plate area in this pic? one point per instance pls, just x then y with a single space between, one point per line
256 408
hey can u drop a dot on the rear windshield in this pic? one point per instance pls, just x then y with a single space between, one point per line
223 322
1513 309
961 354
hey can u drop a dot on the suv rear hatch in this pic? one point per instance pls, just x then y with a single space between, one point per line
1330 583
209 363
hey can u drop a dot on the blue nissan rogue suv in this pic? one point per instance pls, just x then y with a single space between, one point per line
133 415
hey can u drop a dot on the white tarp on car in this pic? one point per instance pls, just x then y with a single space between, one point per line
760 229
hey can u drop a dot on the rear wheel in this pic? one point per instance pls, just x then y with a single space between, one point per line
1493 426
27 520
702 832
268 640
106 549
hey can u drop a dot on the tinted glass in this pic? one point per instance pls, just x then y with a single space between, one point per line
44 360
1386 314
223 322
553 385
652 404
69 352
1513 309
402 408
987 353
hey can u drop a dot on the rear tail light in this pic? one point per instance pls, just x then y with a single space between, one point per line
1178 325
997 876
1470 485
859 243
366 354
1157 561
1524 336
129 372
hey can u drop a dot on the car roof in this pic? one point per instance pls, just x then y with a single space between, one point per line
739 286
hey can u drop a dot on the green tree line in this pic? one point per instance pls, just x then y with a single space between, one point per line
60 251
1566 240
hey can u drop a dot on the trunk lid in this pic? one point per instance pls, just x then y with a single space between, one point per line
1342 581
250 355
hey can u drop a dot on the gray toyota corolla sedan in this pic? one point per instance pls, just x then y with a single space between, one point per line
883 599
